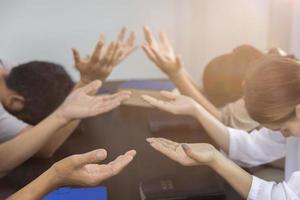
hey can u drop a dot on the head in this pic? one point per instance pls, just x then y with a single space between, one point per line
33 90
224 75
272 94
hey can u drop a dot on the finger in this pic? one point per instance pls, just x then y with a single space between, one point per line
190 153
122 33
165 151
149 53
116 50
107 57
97 51
118 96
148 35
157 103
157 55
111 96
131 40
167 142
121 161
100 108
90 157
165 41
76 56
91 87
168 95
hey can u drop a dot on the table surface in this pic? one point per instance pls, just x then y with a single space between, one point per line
118 131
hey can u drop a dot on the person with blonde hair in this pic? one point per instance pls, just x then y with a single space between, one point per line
272 98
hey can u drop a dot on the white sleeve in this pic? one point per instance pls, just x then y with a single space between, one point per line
9 126
256 148
265 190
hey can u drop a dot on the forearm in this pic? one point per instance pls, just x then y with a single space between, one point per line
28 143
187 88
38 188
58 139
215 129
238 178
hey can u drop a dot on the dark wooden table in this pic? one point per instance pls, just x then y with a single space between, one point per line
118 131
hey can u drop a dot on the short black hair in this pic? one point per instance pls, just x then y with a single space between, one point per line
44 86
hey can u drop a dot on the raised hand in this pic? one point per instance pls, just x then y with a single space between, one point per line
82 103
162 53
185 154
175 104
103 60
84 170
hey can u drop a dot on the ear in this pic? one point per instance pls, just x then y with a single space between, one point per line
15 102
297 109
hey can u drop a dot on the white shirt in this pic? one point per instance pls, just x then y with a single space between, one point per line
9 125
264 146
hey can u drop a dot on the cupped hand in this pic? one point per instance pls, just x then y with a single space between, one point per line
85 170
185 154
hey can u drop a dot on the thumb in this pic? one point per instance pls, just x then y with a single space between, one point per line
190 153
91 157
92 87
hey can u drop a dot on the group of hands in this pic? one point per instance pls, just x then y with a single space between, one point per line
84 169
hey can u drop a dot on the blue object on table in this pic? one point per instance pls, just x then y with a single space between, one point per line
148 85
91 193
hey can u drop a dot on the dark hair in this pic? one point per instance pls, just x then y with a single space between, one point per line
44 86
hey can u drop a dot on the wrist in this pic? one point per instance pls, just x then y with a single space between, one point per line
218 161
176 75
52 179
59 117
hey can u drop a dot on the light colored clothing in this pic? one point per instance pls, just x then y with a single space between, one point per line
9 125
264 146
235 115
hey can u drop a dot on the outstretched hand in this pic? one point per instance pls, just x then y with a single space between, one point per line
185 154
103 60
162 53
85 170
175 104
82 103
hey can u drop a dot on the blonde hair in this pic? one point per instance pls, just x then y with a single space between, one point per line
272 89
223 75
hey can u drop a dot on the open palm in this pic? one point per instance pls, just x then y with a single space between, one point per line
80 104
84 170
175 151
175 104
161 53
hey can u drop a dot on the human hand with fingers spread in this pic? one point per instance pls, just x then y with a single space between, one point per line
82 102
162 53
102 61
185 154
175 104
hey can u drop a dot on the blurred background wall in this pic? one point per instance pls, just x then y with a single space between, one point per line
199 29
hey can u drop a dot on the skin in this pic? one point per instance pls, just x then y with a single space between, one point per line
97 67
206 154
79 104
76 170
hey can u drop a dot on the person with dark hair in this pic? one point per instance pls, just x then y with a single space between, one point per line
16 88
41 86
